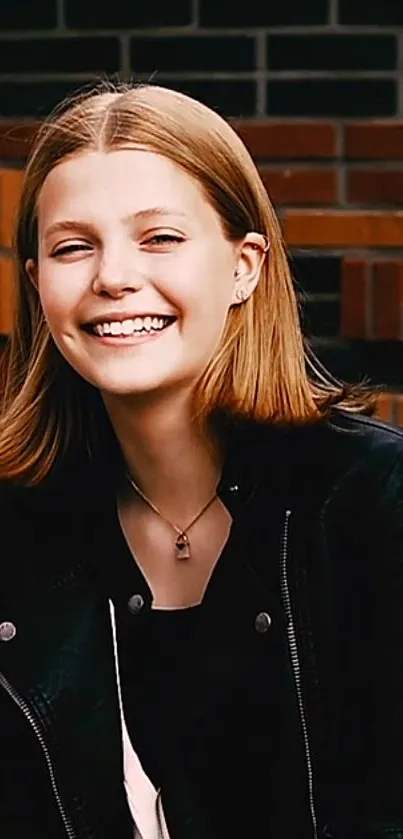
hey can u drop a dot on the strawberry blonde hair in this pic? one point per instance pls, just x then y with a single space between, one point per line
261 368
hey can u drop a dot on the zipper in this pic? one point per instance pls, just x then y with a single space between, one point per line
296 666
35 725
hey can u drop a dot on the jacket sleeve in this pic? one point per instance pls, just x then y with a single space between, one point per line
381 795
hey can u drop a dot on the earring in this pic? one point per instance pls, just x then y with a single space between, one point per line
241 295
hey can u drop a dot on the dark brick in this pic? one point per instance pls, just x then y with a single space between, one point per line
381 362
26 14
322 318
375 186
385 13
387 299
332 52
316 274
33 99
332 97
259 13
356 277
380 140
123 14
229 98
192 54
60 55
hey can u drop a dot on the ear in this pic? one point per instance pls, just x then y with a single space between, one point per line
31 268
251 256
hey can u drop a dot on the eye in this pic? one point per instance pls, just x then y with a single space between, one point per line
164 239
71 249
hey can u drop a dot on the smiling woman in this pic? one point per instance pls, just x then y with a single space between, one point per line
201 587
120 259
171 206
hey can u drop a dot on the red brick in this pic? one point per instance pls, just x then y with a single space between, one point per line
387 300
399 409
339 228
355 299
375 186
6 295
16 138
10 187
377 140
284 140
385 407
301 186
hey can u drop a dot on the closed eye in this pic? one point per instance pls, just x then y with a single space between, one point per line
65 250
164 239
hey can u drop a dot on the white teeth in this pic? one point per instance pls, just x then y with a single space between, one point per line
130 326
127 327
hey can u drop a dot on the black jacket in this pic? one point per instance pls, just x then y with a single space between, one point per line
333 495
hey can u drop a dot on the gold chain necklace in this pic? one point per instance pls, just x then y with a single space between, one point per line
182 544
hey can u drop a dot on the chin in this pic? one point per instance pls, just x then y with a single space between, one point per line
122 382
135 390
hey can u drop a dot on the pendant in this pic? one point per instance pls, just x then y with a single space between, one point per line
182 546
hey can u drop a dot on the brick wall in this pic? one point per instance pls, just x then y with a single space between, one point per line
316 91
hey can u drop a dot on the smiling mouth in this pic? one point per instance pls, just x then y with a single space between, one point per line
130 327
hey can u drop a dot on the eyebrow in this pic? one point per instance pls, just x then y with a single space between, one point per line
69 225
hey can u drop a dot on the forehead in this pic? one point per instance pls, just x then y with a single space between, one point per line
121 181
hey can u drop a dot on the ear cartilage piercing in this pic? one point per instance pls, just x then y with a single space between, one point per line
267 244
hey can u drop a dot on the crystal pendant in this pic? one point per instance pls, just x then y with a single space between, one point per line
182 547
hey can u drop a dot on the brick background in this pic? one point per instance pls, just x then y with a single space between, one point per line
315 89
317 58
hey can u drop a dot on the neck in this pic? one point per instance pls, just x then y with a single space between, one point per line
174 462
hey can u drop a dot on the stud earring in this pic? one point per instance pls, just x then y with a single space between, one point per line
241 295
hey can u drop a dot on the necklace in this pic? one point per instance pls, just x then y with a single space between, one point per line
182 544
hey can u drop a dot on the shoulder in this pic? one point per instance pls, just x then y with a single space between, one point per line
365 497
45 537
351 456
327 450
62 506
371 434
366 445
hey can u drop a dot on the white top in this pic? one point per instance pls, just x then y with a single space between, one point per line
143 799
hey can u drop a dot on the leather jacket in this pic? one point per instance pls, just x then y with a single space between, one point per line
334 499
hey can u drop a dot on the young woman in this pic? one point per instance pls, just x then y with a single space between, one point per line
201 578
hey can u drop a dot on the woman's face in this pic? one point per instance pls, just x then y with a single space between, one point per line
134 273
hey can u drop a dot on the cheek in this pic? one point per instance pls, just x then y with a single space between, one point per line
58 297
202 286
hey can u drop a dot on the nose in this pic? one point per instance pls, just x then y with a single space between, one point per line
117 274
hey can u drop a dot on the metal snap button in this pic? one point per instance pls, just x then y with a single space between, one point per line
135 604
7 631
262 622
234 488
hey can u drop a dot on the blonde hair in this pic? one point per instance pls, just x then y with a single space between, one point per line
261 368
